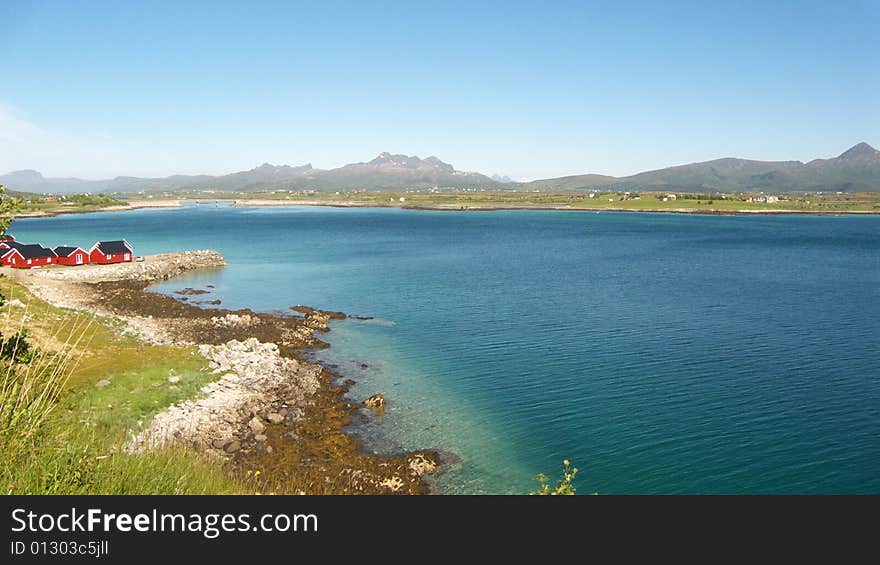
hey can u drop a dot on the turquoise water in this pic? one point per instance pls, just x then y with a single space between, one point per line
661 353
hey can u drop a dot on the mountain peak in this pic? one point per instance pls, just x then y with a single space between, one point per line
23 177
859 151
386 159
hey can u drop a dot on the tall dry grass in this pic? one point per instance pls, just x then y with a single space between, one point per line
30 384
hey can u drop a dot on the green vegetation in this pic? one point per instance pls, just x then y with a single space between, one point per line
564 486
634 201
62 434
66 203
8 207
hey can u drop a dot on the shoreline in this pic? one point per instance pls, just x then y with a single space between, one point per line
260 203
132 205
270 408
458 208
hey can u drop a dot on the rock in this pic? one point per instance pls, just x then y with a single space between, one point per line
102 383
275 418
232 447
190 291
256 425
420 464
219 443
174 379
393 484
260 438
375 401
252 377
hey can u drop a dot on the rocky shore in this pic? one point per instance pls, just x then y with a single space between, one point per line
257 386
270 408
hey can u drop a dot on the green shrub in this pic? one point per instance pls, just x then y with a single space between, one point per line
564 486
16 348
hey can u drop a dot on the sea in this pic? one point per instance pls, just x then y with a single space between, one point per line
659 353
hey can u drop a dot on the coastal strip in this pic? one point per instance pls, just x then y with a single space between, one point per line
267 203
269 407
131 205
285 203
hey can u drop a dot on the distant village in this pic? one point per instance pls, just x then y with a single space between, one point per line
29 255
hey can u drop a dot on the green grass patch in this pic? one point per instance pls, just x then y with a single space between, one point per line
75 443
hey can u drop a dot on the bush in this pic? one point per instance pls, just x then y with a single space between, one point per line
16 348
563 486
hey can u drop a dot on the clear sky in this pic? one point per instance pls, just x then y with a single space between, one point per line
529 89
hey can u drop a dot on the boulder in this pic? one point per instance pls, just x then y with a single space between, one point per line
274 418
256 426
102 383
375 401
420 464
232 447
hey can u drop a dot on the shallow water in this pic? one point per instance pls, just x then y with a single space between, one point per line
661 353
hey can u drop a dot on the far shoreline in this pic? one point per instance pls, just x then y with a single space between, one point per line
267 203
131 205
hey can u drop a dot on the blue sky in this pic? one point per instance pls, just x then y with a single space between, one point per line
528 89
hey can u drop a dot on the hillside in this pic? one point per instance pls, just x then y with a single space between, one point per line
385 172
855 170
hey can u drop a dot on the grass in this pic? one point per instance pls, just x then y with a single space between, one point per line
68 203
70 441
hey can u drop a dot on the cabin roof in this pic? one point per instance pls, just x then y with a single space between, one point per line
67 250
31 250
113 247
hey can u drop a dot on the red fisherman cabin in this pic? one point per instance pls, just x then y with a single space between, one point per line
71 256
26 256
105 252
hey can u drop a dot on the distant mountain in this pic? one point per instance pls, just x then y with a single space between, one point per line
32 181
855 170
571 183
385 172
390 172
501 178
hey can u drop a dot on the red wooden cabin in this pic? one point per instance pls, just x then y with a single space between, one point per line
26 256
71 256
105 252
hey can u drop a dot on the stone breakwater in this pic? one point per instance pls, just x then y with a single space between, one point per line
257 388
153 268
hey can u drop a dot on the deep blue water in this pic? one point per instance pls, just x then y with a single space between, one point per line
661 353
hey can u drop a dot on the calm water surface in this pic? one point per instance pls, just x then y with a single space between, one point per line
661 353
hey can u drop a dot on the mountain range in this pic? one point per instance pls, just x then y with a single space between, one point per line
855 170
